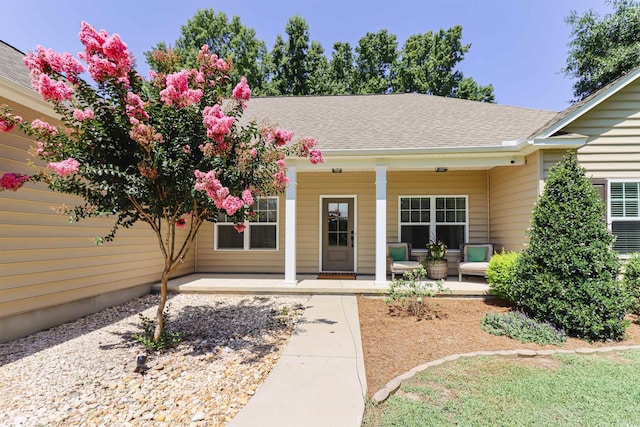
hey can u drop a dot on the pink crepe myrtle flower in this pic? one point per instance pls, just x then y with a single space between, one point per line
316 157
181 223
8 122
13 181
49 61
232 204
247 197
209 183
81 115
242 92
177 91
281 136
218 125
65 167
107 56
53 90
44 128
253 152
239 227
211 63
280 180
135 107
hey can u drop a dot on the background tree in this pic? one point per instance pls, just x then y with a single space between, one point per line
603 48
567 274
229 39
164 152
427 65
319 79
341 69
376 54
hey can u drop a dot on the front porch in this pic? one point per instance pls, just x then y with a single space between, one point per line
306 284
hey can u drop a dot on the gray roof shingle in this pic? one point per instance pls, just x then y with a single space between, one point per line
11 66
397 121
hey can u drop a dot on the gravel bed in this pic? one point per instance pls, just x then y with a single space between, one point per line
83 373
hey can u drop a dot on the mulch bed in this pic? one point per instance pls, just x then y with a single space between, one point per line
394 342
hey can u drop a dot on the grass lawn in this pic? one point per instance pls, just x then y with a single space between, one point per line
562 390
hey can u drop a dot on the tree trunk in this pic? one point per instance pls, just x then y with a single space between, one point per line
163 299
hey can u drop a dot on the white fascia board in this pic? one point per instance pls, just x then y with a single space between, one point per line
410 162
568 143
597 100
29 98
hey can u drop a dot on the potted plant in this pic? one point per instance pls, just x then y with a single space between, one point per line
435 262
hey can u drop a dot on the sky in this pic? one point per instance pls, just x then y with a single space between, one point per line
518 46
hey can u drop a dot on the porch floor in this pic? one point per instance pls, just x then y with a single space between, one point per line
307 284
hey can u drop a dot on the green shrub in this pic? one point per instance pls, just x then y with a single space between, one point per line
567 275
517 325
412 292
501 273
632 282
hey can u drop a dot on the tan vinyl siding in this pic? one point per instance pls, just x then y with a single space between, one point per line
613 128
513 194
211 260
51 269
550 159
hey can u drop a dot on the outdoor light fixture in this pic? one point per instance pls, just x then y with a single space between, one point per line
336 170
441 169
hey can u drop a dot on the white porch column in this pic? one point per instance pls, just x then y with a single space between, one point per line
290 229
381 226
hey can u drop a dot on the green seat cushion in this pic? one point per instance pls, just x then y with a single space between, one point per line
398 254
477 253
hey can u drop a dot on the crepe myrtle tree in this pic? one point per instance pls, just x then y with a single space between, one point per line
167 150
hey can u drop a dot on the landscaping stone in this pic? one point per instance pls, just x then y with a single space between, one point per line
82 373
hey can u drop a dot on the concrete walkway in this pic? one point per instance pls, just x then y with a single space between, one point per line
320 378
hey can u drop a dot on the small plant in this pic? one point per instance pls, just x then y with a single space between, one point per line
517 325
632 282
501 273
436 250
167 339
412 292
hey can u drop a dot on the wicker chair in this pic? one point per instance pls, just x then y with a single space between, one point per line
474 259
399 259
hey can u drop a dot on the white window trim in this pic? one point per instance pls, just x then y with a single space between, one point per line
247 232
610 218
433 223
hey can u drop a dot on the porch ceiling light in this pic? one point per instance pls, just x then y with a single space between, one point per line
441 169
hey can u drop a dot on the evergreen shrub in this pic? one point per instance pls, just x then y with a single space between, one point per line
567 275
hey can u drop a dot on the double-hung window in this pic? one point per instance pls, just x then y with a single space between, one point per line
261 230
427 218
624 201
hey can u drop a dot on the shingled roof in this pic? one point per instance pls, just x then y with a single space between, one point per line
398 121
11 66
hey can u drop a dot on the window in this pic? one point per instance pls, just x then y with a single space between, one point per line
426 218
624 201
261 230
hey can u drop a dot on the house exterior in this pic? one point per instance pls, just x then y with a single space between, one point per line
399 167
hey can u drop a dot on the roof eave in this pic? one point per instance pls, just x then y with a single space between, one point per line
592 103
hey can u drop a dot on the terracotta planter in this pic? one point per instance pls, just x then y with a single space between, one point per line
437 269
